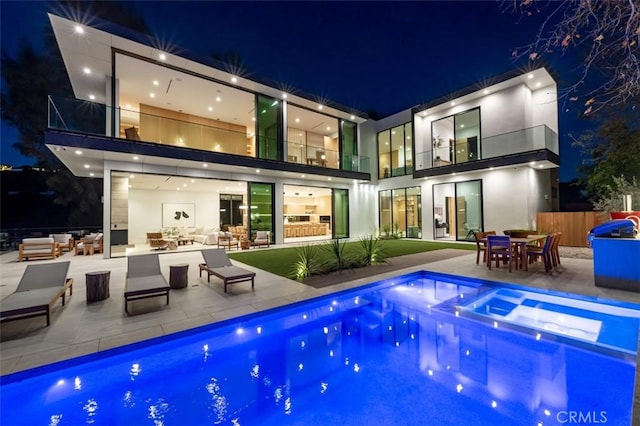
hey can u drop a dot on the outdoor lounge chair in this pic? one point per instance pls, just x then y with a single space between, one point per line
217 263
144 279
38 290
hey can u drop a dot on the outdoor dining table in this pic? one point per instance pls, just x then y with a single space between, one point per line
521 247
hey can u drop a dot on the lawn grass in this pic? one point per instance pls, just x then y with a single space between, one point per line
280 261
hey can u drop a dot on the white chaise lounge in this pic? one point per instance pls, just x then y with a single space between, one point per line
39 289
217 263
144 279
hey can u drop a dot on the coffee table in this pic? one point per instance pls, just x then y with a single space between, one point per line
182 241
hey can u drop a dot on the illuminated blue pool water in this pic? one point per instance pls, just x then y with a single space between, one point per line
420 349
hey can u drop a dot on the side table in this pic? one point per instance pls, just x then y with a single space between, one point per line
179 275
97 286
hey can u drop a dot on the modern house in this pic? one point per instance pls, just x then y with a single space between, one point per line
188 143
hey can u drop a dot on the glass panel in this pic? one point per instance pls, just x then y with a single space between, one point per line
312 138
408 142
444 218
397 151
384 154
231 210
385 213
399 212
340 213
467 129
349 144
261 208
414 213
442 138
269 128
468 208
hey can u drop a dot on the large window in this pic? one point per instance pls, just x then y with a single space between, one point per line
269 118
456 139
394 151
349 145
401 212
312 138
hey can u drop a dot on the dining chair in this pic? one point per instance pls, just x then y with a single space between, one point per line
555 253
499 248
544 252
481 246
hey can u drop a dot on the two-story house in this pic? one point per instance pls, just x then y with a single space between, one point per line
185 143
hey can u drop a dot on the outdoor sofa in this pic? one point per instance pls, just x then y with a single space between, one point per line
42 247
39 289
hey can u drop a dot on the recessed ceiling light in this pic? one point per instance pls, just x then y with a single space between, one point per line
297 120
353 117
424 113
453 174
302 176
234 79
92 174
257 170
178 189
253 119
538 84
491 168
284 96
128 106
486 92
540 166
152 95
210 108
462 125
532 163
86 70
320 107
193 180
92 97
135 157
218 98
328 127
132 176
329 178
86 166
184 185
78 29
530 76
205 165
162 57
453 103
78 152
156 82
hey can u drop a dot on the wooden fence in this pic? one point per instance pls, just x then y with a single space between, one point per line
574 225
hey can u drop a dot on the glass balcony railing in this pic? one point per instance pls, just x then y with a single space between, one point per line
319 156
517 142
98 119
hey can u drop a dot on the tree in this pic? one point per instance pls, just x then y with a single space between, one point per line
610 153
606 33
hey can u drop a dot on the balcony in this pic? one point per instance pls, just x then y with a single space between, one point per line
198 134
513 144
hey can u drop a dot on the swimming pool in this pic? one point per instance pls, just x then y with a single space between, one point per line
422 348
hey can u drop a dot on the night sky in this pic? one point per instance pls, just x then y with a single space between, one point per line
381 56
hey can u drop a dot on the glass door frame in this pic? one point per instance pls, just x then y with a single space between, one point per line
456 208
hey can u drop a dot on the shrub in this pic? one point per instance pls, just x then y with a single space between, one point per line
336 249
307 263
372 251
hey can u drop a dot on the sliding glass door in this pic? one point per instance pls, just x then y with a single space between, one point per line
400 212
260 207
457 210
340 213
